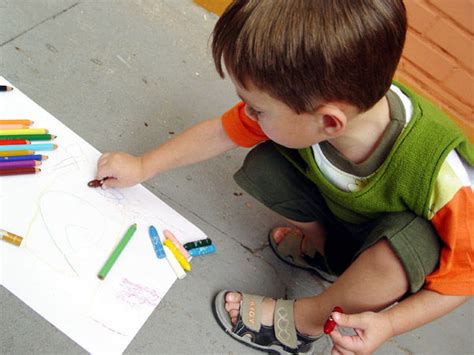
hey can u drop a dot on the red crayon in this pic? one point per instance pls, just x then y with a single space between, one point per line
330 323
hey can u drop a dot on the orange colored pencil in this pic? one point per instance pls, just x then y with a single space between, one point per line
21 121
16 152
19 171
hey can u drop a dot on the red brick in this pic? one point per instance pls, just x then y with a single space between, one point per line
433 60
420 15
464 118
433 87
453 39
460 83
461 11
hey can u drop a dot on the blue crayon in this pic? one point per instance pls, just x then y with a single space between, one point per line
155 240
202 250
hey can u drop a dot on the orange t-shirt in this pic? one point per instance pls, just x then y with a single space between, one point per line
452 213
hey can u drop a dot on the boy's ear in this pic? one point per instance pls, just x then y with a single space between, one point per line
334 120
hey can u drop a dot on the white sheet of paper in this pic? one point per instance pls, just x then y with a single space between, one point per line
69 231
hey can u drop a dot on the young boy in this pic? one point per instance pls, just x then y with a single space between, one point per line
367 173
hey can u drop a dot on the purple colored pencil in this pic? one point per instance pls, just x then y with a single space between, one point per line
18 164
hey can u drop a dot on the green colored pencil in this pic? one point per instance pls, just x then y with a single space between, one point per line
31 137
117 251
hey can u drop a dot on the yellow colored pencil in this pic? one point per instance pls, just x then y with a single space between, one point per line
16 152
9 132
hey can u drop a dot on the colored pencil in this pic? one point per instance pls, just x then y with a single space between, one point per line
19 164
19 171
5 88
34 147
9 132
31 137
13 141
13 126
24 157
117 251
16 152
10 237
20 121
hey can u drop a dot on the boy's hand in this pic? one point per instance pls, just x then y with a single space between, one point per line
120 169
372 329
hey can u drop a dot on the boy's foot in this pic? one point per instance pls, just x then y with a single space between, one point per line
291 246
262 323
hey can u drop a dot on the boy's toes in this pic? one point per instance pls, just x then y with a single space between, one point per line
279 233
232 305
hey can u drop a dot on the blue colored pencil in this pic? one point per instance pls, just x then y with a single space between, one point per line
34 147
24 157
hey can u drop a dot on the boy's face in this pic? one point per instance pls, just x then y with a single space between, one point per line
278 121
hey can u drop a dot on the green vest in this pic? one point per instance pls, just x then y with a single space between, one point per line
406 179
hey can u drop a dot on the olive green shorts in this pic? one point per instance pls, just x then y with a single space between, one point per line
269 177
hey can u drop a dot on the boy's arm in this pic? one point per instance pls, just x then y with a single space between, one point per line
200 142
373 329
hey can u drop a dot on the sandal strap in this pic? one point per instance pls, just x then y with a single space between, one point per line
251 311
284 323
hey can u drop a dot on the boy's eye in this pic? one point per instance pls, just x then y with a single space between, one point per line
252 112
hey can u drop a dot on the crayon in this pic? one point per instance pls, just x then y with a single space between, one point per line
31 137
5 88
19 164
96 182
155 240
181 259
208 249
24 157
117 251
178 270
197 244
13 141
16 152
19 171
33 147
330 323
19 121
10 237
9 132
169 235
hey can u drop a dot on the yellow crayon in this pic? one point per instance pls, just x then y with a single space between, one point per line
181 259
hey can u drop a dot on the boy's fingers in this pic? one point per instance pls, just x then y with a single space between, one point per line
349 320
110 182
345 342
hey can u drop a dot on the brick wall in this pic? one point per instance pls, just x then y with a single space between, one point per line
438 56
438 59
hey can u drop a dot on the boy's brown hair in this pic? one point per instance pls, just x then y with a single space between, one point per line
305 51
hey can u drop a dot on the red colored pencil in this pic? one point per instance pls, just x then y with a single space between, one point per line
20 171
13 141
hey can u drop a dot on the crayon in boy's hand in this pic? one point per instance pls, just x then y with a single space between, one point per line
331 323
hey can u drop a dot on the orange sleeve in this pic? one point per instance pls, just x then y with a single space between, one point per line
454 223
240 128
